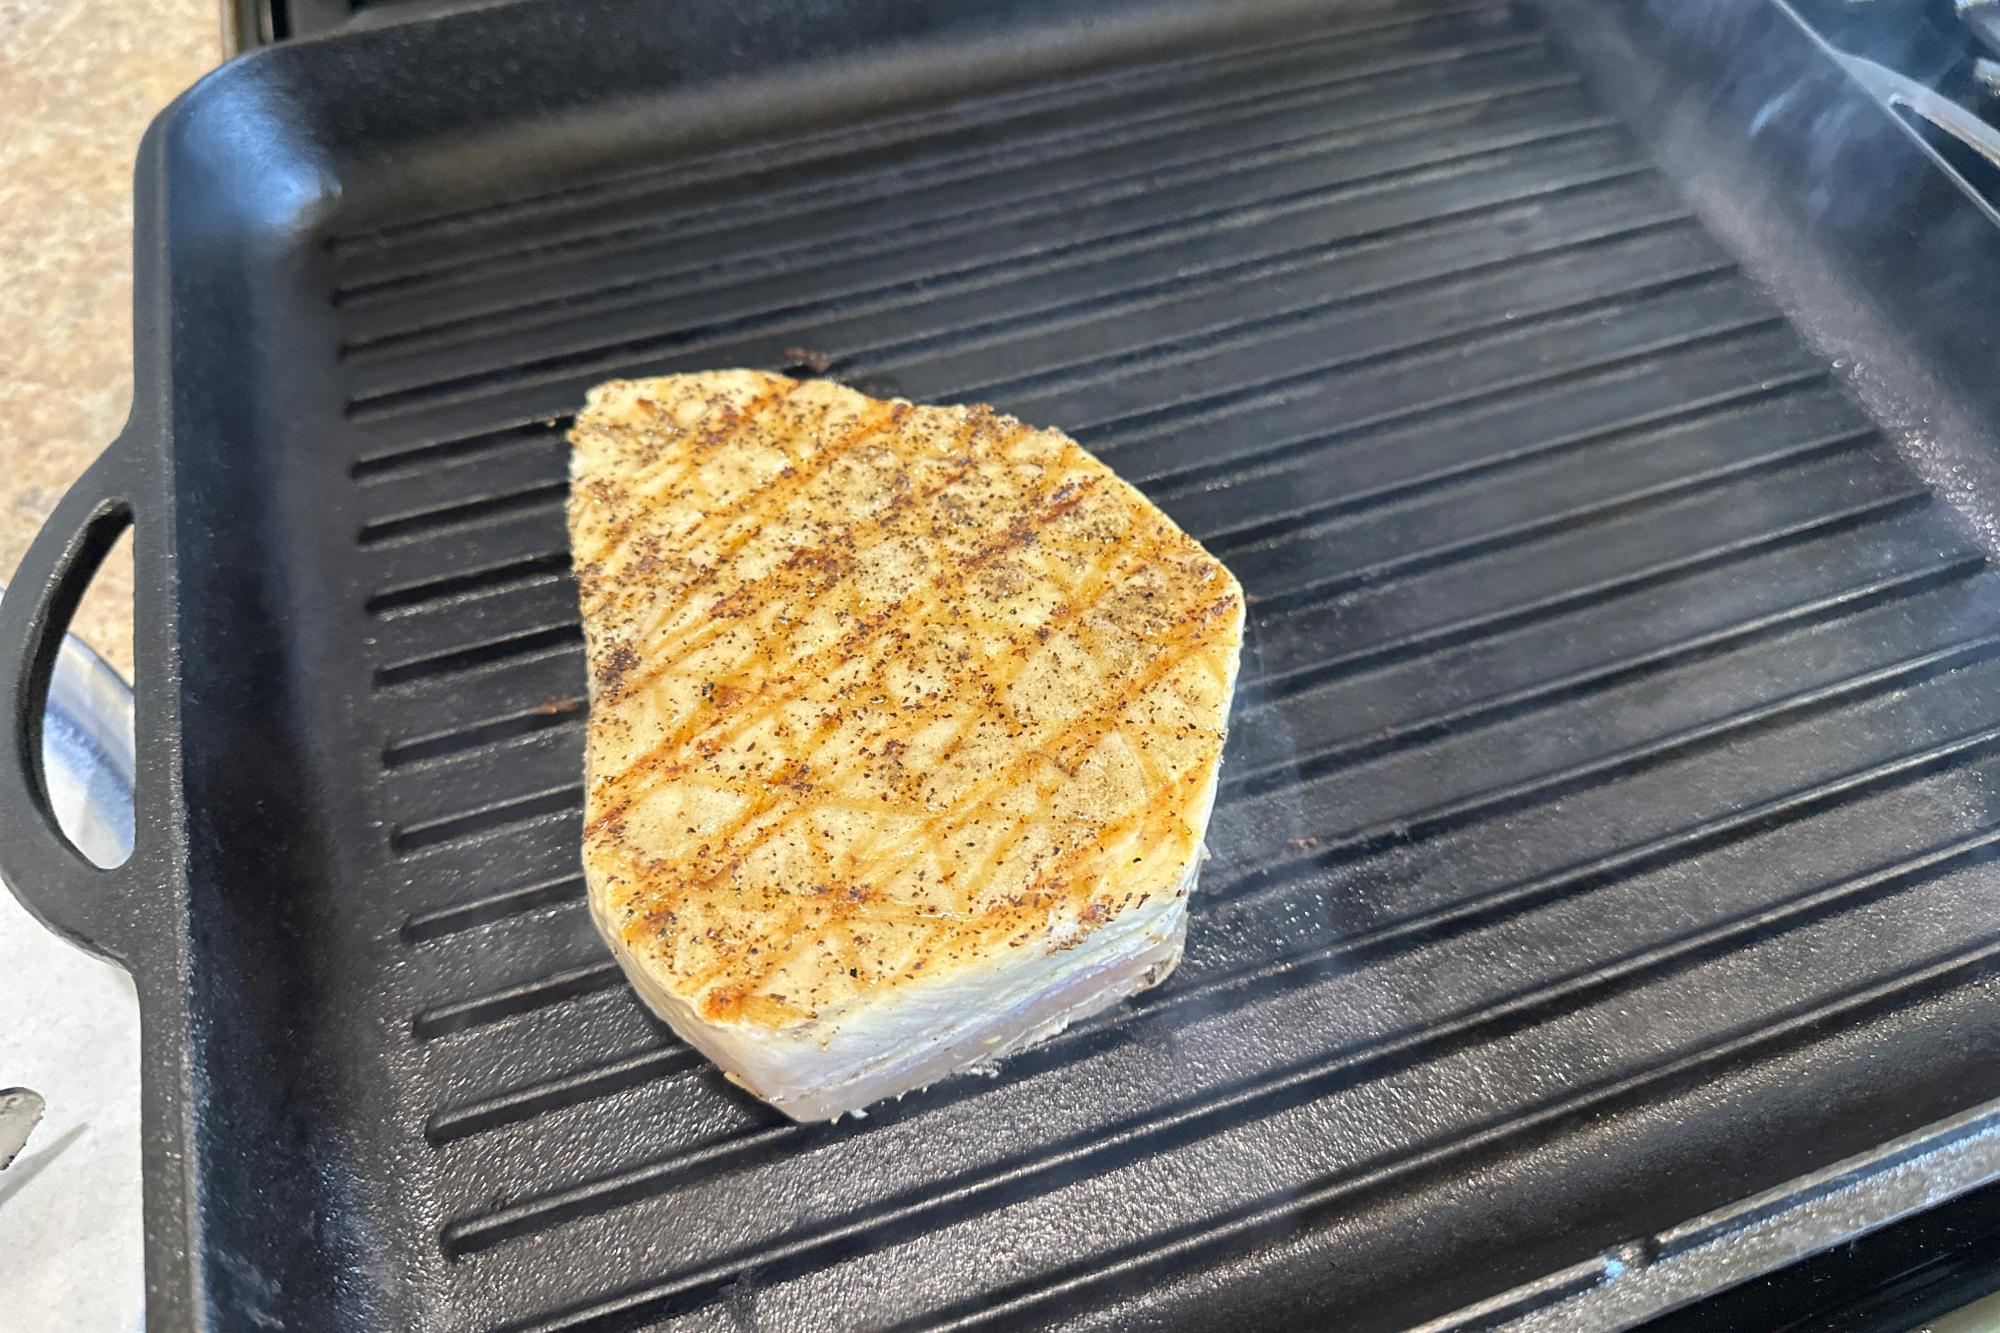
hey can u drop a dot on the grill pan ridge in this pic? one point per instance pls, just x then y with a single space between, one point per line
1601 903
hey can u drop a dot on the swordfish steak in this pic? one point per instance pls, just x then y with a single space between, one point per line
904 727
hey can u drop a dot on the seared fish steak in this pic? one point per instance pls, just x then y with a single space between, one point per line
904 727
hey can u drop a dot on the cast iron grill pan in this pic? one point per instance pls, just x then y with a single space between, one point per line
1606 828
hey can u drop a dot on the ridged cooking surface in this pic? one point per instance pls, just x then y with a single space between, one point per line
1585 606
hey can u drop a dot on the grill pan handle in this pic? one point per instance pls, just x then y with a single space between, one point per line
87 904
1898 90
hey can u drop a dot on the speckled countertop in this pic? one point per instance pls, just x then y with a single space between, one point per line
78 84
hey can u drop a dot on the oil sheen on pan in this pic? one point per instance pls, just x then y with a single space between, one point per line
904 727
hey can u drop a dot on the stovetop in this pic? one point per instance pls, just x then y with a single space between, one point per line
1953 47
1930 1262
247 24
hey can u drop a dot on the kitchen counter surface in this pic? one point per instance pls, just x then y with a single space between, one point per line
78 85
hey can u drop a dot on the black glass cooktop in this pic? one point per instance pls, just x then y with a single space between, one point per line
252 23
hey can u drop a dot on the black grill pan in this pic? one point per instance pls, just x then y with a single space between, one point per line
1596 402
